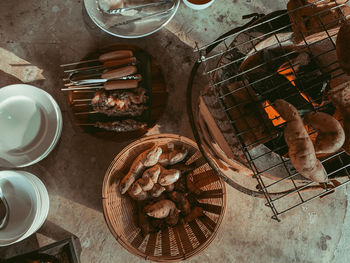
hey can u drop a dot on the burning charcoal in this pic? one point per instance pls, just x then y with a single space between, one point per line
273 58
277 87
311 81
246 111
303 85
278 73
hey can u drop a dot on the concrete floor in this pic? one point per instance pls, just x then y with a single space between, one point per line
49 33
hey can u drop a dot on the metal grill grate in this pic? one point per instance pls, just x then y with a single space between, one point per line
248 68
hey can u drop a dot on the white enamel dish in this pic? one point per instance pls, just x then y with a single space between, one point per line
44 204
28 202
23 199
31 124
119 26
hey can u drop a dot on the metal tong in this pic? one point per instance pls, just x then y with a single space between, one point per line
117 11
100 81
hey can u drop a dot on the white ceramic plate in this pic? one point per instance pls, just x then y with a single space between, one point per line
44 204
31 124
24 205
136 29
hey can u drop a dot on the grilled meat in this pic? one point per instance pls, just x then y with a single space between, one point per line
120 103
121 126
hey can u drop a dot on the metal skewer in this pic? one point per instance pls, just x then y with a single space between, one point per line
107 65
98 74
83 69
114 55
82 88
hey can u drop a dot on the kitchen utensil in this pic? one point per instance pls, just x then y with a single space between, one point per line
100 81
109 85
135 8
154 15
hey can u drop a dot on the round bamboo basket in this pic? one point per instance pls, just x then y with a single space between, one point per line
173 243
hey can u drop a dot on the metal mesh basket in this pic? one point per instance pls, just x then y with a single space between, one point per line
250 67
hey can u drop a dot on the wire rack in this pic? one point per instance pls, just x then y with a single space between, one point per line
254 66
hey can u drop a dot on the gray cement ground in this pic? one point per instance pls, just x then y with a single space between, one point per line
49 33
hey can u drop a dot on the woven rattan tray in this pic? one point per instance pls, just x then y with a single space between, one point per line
173 243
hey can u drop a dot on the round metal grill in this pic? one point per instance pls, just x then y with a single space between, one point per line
250 67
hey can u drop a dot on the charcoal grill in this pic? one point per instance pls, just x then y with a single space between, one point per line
269 42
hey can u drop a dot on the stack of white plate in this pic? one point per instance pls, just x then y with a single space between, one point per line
28 202
30 125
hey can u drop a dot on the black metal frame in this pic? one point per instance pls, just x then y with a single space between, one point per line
337 165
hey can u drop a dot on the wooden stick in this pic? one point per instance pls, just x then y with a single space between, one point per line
86 124
81 100
85 112
81 105
82 88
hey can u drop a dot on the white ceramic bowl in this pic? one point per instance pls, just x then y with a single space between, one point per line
24 201
198 6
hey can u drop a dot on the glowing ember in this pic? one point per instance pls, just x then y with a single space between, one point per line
274 116
287 71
